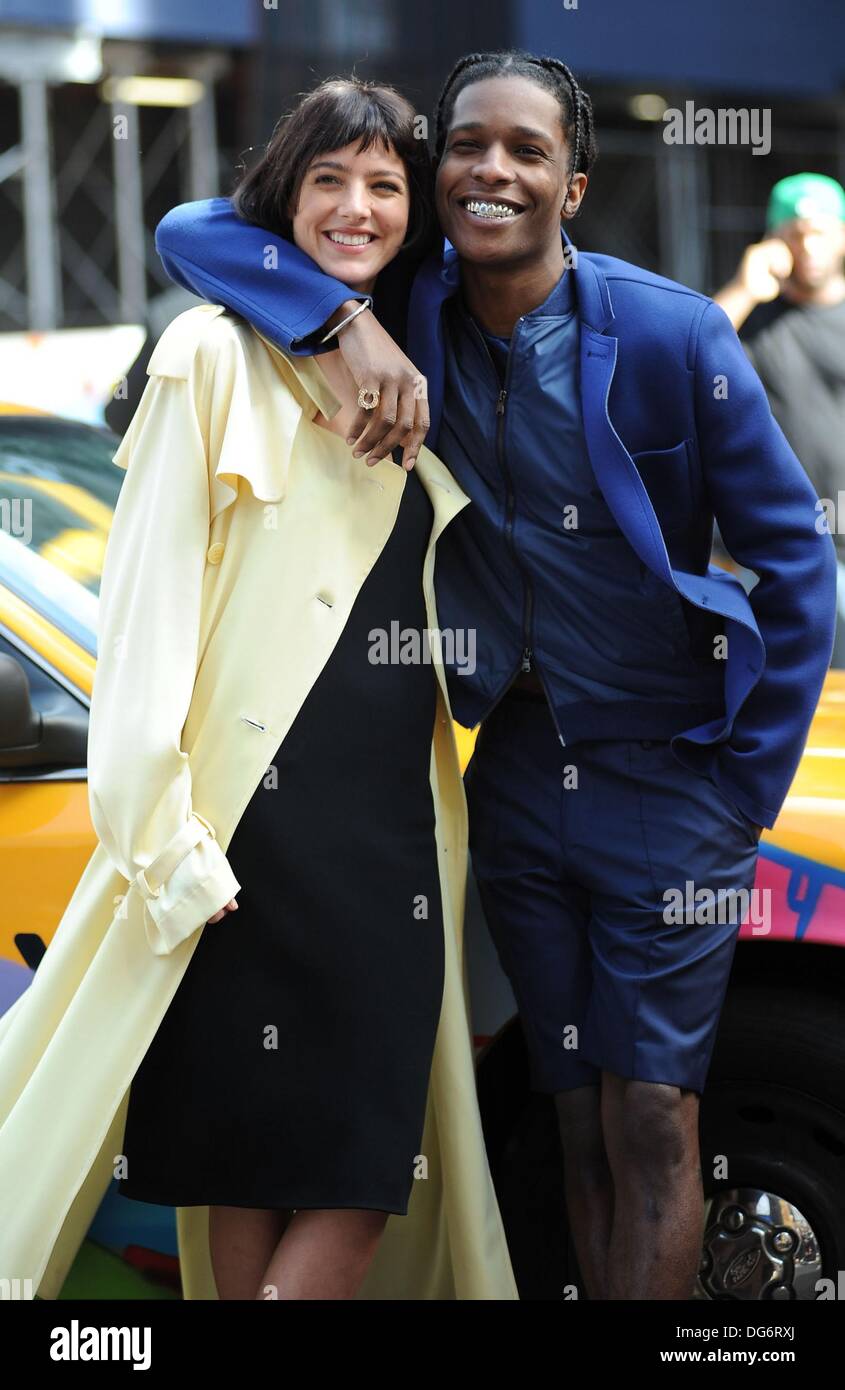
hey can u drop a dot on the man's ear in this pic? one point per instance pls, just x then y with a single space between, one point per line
575 196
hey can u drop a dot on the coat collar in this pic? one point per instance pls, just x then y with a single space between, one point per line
241 451
446 497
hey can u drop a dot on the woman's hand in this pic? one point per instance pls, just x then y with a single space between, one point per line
401 418
218 916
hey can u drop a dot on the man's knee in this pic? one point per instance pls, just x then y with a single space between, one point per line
655 1125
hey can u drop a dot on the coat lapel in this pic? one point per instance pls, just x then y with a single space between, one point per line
627 497
615 470
303 377
446 497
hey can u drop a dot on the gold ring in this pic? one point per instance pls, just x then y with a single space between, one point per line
368 400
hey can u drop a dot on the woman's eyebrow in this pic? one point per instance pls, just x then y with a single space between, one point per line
371 173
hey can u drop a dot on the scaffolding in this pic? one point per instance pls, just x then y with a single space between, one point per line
108 157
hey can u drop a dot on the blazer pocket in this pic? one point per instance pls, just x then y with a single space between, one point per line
668 601
667 477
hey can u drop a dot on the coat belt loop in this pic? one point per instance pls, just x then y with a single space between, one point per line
171 857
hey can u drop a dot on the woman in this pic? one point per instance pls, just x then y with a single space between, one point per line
280 1061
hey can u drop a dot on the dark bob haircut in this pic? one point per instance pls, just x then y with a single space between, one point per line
339 112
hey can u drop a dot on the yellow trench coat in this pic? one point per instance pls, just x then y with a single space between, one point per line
219 608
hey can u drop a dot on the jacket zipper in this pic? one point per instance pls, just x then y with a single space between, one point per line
510 508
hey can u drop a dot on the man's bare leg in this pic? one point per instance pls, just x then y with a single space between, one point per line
651 1138
589 1184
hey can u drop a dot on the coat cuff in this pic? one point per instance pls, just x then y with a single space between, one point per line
185 885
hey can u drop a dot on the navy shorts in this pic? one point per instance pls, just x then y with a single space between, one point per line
582 856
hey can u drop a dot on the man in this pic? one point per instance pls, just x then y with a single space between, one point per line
787 301
642 719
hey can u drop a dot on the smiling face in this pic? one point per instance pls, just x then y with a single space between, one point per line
503 176
352 213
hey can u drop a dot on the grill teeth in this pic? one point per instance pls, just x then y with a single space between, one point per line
490 209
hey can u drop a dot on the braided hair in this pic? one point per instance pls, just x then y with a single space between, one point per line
550 73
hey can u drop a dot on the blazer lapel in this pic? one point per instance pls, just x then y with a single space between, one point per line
627 497
615 470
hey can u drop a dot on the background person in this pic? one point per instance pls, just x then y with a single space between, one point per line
787 302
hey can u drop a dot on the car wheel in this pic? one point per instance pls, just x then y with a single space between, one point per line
773 1148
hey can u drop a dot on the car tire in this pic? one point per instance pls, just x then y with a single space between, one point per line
773 1126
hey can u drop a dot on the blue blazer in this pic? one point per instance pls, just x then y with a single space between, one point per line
664 377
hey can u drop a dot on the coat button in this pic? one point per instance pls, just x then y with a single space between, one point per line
214 553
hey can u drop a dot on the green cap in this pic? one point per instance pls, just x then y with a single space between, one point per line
805 195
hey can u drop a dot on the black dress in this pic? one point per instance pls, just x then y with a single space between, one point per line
292 1066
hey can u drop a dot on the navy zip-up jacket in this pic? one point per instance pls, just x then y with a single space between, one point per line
538 568
678 429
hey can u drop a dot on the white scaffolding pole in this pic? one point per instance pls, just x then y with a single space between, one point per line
129 213
43 282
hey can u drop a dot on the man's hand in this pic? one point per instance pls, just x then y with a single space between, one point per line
401 418
759 279
764 268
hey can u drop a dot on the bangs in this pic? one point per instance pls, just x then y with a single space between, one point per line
353 116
